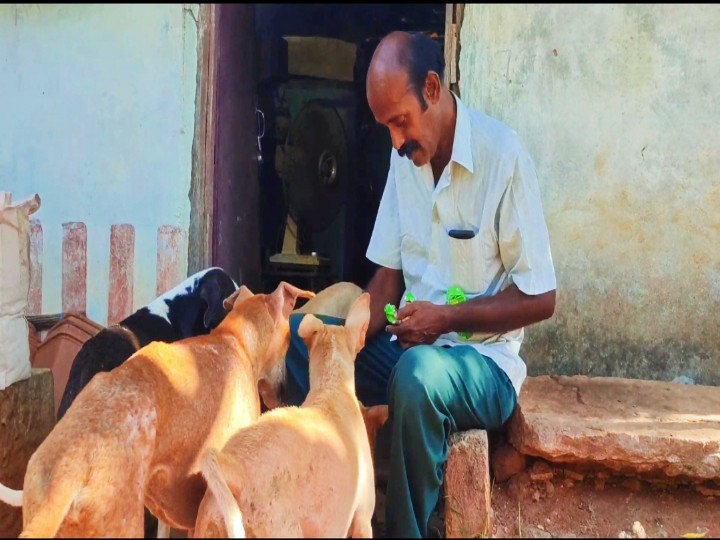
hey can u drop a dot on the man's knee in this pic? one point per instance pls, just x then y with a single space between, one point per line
414 377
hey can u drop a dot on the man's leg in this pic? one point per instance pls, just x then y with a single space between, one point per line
373 365
435 391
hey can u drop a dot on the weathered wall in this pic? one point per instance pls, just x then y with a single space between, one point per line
620 107
97 107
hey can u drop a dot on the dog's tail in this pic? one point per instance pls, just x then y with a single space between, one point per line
212 471
50 515
13 497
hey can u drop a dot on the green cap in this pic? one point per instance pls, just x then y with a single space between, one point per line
409 297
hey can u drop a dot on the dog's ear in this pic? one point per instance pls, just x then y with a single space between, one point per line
282 300
309 326
357 322
242 294
376 416
269 398
211 291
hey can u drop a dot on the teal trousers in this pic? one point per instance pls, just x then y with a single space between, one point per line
431 392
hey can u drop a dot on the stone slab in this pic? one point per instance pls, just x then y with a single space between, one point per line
467 486
629 426
27 415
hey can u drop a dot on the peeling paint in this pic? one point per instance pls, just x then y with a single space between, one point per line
122 264
34 306
98 114
622 124
172 242
74 268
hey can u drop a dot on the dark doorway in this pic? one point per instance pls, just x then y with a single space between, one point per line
300 163
324 158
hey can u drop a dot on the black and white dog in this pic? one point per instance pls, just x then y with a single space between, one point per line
192 308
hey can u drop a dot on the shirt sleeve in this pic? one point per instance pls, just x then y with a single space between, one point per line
384 246
522 232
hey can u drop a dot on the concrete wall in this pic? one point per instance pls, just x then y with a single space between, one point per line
97 106
620 107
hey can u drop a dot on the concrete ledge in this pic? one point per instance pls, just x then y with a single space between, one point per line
467 486
27 415
629 426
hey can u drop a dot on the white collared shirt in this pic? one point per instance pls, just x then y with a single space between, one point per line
490 187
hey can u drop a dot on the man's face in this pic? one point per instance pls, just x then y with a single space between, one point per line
395 104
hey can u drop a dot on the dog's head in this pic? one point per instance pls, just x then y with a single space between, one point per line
213 288
346 341
195 306
270 313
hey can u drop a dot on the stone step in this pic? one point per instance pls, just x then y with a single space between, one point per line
27 415
626 425
467 486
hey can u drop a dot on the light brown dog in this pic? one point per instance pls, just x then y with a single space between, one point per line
300 471
134 435
334 300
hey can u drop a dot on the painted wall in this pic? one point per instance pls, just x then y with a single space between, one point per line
97 106
620 107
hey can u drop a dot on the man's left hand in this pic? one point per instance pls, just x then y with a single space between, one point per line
420 323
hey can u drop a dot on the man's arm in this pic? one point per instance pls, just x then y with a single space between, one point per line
385 287
424 322
508 310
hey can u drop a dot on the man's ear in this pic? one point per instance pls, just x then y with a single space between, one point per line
433 87
242 294
357 322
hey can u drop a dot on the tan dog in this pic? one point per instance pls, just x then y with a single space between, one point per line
335 300
134 435
300 471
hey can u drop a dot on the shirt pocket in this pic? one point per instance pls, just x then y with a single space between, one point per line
470 262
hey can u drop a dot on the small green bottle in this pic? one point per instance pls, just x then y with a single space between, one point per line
455 295
391 313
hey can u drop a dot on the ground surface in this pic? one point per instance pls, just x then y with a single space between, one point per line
524 508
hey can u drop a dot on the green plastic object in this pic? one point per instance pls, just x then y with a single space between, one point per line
391 313
455 295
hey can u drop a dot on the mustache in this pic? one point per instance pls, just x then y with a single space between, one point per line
408 148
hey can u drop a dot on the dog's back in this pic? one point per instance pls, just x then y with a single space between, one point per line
194 307
133 435
301 471
118 437
90 459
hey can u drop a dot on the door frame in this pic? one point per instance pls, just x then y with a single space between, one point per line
200 252
204 215
224 192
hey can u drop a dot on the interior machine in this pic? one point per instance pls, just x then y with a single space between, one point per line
324 159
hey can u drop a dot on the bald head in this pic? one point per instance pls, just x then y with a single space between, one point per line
406 55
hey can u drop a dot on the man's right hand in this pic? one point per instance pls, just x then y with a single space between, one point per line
385 287
420 323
